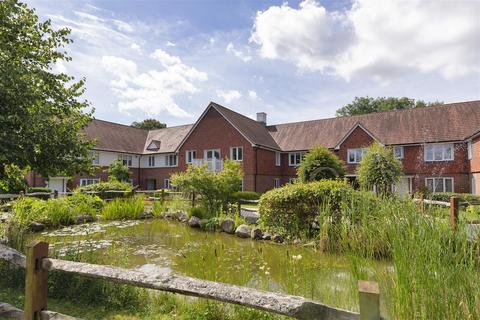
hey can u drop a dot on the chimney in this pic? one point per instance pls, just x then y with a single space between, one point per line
262 118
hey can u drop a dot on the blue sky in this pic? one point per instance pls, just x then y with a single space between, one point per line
296 61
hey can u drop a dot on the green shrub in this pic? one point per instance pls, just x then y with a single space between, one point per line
27 209
320 163
158 208
246 195
85 204
111 185
59 212
129 208
200 212
445 196
39 189
294 207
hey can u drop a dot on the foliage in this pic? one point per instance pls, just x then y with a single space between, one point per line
246 195
158 208
294 207
474 210
41 115
102 189
364 105
199 212
39 189
214 188
379 169
320 163
84 204
128 208
445 196
13 178
118 171
149 124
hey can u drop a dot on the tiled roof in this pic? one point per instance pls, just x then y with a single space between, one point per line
169 138
449 122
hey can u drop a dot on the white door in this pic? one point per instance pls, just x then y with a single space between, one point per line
212 157
57 184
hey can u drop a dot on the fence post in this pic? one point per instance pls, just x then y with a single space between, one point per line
55 194
36 285
193 199
162 196
239 206
369 296
454 208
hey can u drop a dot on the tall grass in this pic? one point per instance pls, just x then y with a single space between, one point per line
128 208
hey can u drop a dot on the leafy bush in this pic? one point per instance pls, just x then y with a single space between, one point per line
129 208
200 212
59 212
12 178
246 195
445 196
320 163
294 207
158 208
39 189
85 204
103 187
27 210
118 171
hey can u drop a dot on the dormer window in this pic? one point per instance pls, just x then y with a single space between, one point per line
154 145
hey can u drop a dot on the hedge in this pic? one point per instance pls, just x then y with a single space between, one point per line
294 207
445 196
103 187
246 195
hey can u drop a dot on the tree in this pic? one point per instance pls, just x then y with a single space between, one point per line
320 163
149 124
14 179
41 116
379 169
364 105
119 171
214 188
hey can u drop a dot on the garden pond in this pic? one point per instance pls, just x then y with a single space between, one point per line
169 246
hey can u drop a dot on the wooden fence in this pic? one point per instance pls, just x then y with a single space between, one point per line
38 265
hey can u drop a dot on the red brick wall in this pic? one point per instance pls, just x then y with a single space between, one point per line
357 139
159 174
35 180
475 162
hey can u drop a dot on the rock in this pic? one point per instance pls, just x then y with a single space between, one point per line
84 218
267 236
182 216
169 215
251 216
194 222
36 226
146 215
243 231
277 238
315 225
256 234
227 226
297 242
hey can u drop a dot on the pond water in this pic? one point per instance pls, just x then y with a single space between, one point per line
167 246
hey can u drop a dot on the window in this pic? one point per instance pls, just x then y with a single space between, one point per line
151 161
86 182
439 184
95 158
236 153
398 152
294 158
278 159
126 159
439 152
171 160
469 150
276 183
166 184
356 155
190 155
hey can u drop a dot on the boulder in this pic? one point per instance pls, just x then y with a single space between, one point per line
227 226
277 238
84 218
267 236
256 234
182 216
194 222
36 226
243 231
146 215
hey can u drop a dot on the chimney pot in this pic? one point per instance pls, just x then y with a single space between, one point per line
262 118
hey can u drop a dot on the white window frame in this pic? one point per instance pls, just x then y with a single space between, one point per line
356 155
276 183
278 159
469 150
401 148
213 151
171 160
151 161
167 184
190 155
89 181
234 153
127 159
297 162
435 147
443 183
95 155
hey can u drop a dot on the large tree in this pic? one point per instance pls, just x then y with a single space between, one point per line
149 124
364 105
41 114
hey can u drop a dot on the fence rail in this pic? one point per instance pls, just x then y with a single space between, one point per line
38 265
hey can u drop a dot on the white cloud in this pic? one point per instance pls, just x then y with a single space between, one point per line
229 95
237 53
136 47
383 39
170 44
120 67
252 95
123 26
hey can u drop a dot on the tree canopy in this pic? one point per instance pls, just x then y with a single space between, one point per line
41 114
149 124
119 171
379 169
364 105
320 163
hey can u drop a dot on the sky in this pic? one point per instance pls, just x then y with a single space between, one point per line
295 60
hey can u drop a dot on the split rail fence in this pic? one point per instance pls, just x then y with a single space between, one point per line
38 265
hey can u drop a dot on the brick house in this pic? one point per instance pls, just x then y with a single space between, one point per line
439 147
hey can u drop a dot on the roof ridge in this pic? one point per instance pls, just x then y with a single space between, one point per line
231 110
119 124
180 125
